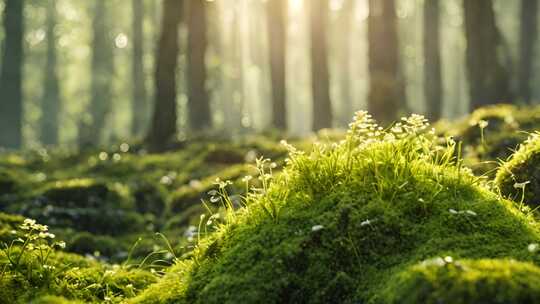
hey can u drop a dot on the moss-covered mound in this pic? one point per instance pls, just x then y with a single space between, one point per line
84 205
519 177
443 280
345 219
492 133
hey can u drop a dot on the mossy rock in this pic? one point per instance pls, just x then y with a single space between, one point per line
8 223
149 197
345 219
468 281
87 243
519 177
85 205
8 182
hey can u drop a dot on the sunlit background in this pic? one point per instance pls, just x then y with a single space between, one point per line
237 61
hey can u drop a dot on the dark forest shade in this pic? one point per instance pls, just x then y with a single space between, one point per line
387 89
50 102
276 24
432 56
527 40
101 82
345 20
488 77
320 78
140 106
163 128
11 76
198 100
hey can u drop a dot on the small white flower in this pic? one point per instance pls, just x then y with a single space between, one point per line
453 211
483 123
532 247
470 212
521 185
317 228
448 259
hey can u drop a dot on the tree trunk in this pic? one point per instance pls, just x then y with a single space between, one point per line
198 100
487 76
101 86
387 90
320 79
50 107
276 25
528 36
163 128
345 27
11 76
139 104
432 56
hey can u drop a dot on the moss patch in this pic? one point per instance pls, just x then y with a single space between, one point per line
468 281
519 177
343 220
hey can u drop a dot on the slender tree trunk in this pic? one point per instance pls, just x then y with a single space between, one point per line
11 76
320 78
345 27
163 128
50 107
432 55
139 104
487 76
528 36
102 69
387 90
276 25
198 100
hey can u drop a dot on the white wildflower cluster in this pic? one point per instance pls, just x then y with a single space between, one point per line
37 236
33 243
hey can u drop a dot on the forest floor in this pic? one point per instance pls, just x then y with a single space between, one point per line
404 215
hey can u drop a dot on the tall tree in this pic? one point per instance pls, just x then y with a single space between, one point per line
487 76
11 76
163 124
50 103
139 105
101 71
198 100
276 25
528 36
432 56
387 90
320 78
345 28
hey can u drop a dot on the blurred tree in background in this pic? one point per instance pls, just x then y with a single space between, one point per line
11 75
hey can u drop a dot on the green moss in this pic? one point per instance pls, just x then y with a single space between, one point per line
74 279
519 177
343 220
189 195
84 204
54 300
8 223
467 281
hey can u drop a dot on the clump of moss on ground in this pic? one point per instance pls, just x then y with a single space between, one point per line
343 220
32 267
492 133
519 177
442 280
